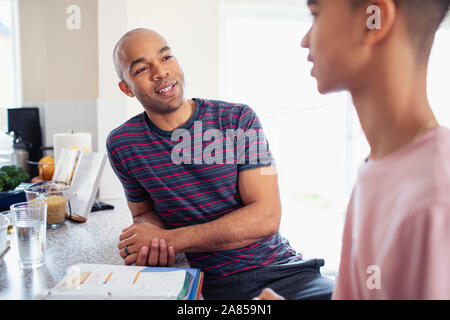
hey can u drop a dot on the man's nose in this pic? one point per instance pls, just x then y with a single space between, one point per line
159 72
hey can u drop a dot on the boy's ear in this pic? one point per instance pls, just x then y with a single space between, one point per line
126 89
381 15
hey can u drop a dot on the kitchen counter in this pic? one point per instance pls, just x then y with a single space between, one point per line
92 242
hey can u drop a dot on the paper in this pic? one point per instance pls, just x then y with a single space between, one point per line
65 166
91 281
85 182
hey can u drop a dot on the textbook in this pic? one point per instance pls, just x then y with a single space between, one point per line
99 282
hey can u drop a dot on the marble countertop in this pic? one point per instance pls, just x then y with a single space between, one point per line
92 242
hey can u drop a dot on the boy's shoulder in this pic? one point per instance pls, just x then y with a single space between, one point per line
414 179
443 139
430 172
441 164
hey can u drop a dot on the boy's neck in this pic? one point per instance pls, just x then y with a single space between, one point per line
393 108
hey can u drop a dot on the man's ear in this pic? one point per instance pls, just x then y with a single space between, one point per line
381 15
126 89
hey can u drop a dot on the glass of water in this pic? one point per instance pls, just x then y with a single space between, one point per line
30 224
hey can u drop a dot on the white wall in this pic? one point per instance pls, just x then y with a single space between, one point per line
111 104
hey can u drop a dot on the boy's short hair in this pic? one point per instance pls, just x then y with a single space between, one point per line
423 18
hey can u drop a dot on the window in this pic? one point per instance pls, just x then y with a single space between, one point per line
316 139
264 66
9 67
439 73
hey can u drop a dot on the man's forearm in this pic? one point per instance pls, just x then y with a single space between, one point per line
235 230
149 217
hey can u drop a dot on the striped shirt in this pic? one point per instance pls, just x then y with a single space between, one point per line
191 175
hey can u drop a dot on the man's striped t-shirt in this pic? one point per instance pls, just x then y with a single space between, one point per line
191 175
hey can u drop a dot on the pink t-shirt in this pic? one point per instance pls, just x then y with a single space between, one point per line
396 240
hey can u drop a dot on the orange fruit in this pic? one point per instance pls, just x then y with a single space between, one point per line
46 168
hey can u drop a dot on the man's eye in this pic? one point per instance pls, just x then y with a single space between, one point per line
140 70
167 58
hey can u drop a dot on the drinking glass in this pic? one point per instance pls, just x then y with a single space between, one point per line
30 225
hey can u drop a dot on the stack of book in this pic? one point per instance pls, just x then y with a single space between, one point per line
97 281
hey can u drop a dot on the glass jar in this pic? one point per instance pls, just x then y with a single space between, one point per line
9 216
57 196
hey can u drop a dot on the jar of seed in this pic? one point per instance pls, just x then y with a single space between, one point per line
57 195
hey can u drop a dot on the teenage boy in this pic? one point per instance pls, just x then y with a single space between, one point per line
396 240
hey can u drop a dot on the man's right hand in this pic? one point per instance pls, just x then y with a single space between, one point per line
157 255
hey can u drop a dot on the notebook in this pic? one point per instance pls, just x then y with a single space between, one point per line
99 281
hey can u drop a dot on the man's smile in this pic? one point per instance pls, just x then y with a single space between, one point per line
168 89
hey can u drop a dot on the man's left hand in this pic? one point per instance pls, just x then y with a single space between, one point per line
137 236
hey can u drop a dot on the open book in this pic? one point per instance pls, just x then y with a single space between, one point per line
82 170
98 282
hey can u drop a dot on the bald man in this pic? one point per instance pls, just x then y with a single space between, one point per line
223 214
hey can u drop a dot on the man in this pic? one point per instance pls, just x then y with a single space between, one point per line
396 241
223 215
